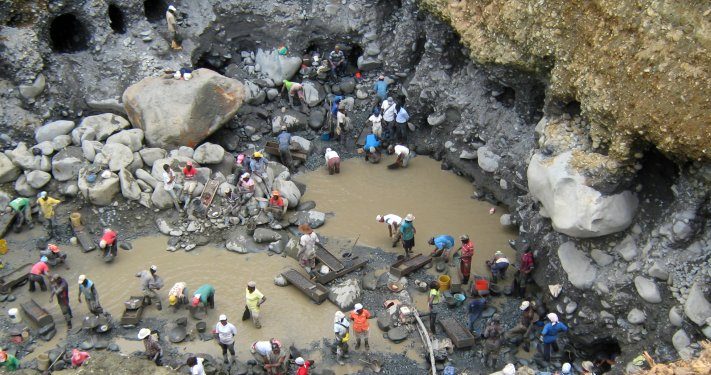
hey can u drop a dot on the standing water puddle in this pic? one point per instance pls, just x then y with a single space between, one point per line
440 201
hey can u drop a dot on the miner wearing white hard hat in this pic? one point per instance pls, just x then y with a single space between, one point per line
359 316
153 350
393 222
88 290
173 28
150 284
225 333
520 332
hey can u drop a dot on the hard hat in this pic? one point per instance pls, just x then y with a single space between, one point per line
257 154
299 361
143 333
82 278
524 305
171 7
43 194
172 300
509 369
176 75
187 76
102 244
275 192
223 317
379 218
43 259
252 284
53 248
358 306
154 268
196 300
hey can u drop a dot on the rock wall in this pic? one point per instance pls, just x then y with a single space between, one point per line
639 70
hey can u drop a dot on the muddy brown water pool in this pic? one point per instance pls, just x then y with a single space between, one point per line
440 201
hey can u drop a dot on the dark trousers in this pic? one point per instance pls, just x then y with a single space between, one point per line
545 349
401 128
39 280
433 322
226 347
285 155
66 311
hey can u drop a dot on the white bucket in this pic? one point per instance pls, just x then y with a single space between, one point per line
14 315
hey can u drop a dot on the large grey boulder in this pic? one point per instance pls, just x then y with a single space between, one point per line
487 160
129 187
8 170
133 138
119 156
302 144
51 130
288 191
151 154
209 153
636 316
263 235
697 308
238 242
160 197
576 209
90 148
23 157
102 191
647 289
45 147
581 272
37 179
61 142
98 128
23 188
67 163
147 178
293 120
176 112
681 340
277 67
345 294
314 93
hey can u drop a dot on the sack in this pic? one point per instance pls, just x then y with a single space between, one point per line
246 314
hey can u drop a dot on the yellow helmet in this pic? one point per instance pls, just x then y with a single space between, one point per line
172 300
257 154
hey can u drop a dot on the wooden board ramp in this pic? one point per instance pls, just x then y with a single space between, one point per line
36 314
272 148
455 283
349 266
407 266
83 237
14 278
208 193
460 335
325 257
317 292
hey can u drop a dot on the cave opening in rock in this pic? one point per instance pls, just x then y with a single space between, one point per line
353 55
68 34
603 353
155 10
116 19
572 108
208 61
655 178
507 96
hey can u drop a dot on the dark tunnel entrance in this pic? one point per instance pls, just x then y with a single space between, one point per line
155 10
68 34
116 19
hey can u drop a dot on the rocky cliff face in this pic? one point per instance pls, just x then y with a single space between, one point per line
639 71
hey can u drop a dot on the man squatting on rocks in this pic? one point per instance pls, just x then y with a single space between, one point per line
269 356
153 350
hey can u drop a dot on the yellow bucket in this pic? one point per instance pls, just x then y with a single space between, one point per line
3 246
75 218
42 362
444 282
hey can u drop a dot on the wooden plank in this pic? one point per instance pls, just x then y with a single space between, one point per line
317 292
132 317
325 256
14 278
272 148
406 266
36 313
84 239
460 336
208 193
351 266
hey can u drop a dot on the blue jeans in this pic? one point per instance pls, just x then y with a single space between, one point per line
473 316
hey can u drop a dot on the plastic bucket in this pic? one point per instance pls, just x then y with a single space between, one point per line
444 282
42 362
75 218
14 315
481 285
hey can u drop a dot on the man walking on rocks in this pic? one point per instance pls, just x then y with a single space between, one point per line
225 334
381 87
47 205
393 222
407 231
307 249
550 336
173 28
333 161
434 300
341 328
359 317
523 273
169 185
60 288
87 288
254 300
492 334
284 139
150 284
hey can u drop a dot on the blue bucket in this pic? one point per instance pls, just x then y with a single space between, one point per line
460 298
325 136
